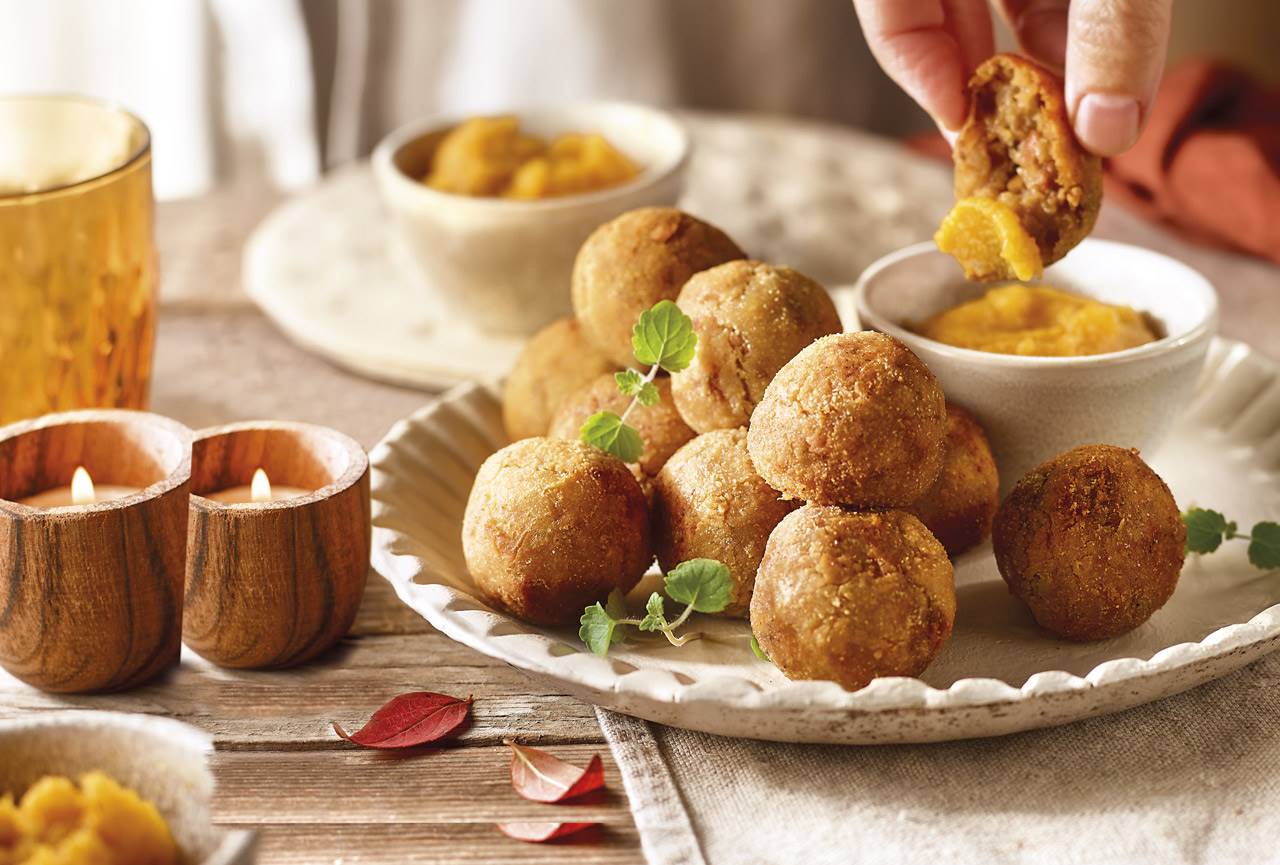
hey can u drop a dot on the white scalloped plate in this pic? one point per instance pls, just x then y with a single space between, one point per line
998 674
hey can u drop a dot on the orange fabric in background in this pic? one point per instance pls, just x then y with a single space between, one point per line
1208 162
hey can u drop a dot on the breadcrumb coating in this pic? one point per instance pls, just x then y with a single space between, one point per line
850 596
1091 541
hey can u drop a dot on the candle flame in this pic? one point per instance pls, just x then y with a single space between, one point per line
82 488
260 489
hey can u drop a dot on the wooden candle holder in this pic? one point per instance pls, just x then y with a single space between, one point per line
274 584
91 595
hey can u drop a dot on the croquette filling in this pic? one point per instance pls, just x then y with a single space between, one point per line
1021 137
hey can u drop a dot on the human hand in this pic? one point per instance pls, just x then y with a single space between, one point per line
1112 52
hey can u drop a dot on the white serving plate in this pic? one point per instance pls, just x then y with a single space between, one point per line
998 674
162 759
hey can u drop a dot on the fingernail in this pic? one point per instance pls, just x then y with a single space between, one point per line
1043 35
1107 123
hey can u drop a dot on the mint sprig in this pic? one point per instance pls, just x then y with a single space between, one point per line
607 431
1207 529
704 585
663 339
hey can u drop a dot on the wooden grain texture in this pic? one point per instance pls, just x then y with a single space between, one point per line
91 595
275 584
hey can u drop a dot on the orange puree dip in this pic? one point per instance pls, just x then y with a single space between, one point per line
97 822
1039 320
490 156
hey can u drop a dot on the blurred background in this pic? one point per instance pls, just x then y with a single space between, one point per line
275 92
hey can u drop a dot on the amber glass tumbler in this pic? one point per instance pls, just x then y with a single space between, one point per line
77 257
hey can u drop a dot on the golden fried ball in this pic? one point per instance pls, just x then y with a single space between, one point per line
1092 541
554 525
1017 147
959 506
660 426
555 362
851 596
709 503
632 262
854 419
750 318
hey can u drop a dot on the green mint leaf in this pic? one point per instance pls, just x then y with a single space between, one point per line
1264 548
605 430
632 383
759 652
1205 529
598 628
703 584
616 606
655 618
629 382
664 336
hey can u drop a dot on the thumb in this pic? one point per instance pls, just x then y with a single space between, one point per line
1115 55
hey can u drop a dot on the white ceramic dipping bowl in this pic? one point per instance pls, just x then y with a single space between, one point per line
504 265
1034 408
163 760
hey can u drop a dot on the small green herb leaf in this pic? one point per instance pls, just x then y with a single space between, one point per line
632 383
664 336
703 584
605 430
600 626
616 606
759 652
1205 529
1264 546
655 618
629 382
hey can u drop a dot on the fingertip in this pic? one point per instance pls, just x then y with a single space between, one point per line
1042 34
1107 124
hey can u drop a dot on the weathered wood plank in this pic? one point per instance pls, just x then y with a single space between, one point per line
439 844
440 785
382 613
290 709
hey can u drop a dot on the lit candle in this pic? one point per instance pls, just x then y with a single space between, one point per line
80 492
260 490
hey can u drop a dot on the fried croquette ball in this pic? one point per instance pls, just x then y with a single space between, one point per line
854 419
750 318
554 525
661 428
959 506
555 362
709 503
850 596
1017 147
632 262
1092 541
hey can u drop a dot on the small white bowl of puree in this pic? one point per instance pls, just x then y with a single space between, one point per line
492 209
90 786
1106 348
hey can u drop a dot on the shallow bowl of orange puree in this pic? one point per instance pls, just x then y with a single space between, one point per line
105 788
1106 348
491 210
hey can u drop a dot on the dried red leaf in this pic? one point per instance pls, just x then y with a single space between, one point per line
411 719
536 833
539 776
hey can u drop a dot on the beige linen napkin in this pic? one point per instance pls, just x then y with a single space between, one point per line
1193 778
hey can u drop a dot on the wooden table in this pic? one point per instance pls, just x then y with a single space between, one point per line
279 767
